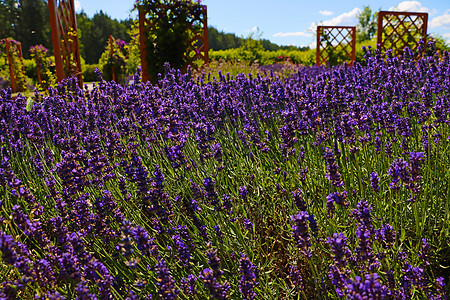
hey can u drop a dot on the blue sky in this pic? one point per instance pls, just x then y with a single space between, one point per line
288 22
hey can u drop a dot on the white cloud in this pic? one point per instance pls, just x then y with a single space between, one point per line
298 33
254 29
447 37
345 19
441 21
77 6
326 12
411 6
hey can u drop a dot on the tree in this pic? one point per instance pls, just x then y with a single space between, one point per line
367 26
9 15
95 33
27 21
84 25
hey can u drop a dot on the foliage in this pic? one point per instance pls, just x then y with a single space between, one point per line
218 67
26 21
42 67
94 33
89 74
15 61
307 58
439 42
219 40
116 62
367 25
133 49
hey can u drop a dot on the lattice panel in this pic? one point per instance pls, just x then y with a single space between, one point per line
335 44
396 30
197 26
65 39
17 73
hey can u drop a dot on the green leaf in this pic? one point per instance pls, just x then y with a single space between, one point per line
29 103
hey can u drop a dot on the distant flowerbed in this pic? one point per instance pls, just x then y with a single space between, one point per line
329 183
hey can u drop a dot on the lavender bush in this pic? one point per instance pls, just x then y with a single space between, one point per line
330 183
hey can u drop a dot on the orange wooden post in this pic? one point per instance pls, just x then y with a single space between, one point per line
344 38
56 39
142 43
111 52
10 64
65 39
394 29
318 44
39 73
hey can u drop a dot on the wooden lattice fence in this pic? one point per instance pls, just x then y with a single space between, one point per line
397 30
335 44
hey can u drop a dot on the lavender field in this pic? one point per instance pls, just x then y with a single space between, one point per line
331 183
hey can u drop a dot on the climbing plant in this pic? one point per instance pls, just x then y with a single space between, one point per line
43 62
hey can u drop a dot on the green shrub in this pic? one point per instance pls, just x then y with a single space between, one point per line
116 63
88 72
133 49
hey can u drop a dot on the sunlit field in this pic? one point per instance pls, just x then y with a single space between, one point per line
324 183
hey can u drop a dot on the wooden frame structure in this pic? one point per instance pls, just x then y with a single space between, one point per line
198 44
13 71
65 39
396 30
335 38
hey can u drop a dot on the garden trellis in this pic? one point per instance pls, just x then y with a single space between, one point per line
397 30
16 66
65 39
153 16
334 39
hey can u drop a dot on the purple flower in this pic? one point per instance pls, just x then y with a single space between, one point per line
211 193
249 278
386 235
188 285
399 170
214 261
338 198
300 232
333 174
165 283
217 290
374 181
243 192
368 287
296 277
298 200
341 252
183 251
